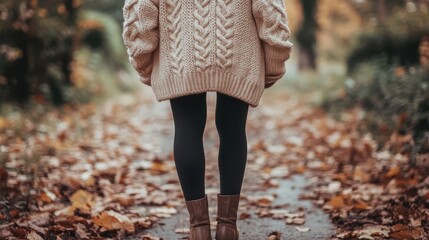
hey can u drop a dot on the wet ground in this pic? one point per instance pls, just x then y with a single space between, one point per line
253 227
259 228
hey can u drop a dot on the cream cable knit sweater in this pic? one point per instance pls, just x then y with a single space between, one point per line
181 47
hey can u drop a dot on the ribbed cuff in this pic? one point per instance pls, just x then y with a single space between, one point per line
145 80
143 66
275 58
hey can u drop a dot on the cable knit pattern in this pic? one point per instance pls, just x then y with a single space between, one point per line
182 47
174 22
140 49
202 34
224 33
271 20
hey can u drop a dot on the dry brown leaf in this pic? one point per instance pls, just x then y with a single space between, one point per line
337 201
142 222
416 233
274 235
415 222
280 172
402 234
34 236
399 227
150 237
299 169
47 196
297 221
4 123
158 166
124 199
82 200
81 231
40 219
113 220
360 205
244 215
393 171
262 201
164 212
373 231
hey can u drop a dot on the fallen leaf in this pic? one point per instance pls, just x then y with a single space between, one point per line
82 200
182 230
163 211
150 237
262 201
274 235
360 205
81 231
142 222
47 196
34 236
297 221
302 229
393 171
337 201
113 220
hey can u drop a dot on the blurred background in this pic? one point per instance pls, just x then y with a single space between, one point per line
367 53
74 117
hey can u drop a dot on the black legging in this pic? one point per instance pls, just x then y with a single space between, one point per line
189 114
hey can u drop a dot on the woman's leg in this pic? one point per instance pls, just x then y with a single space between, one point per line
189 114
231 117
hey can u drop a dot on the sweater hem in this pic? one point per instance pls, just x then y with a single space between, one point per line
208 81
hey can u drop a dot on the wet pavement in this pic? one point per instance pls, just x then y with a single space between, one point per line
253 227
259 228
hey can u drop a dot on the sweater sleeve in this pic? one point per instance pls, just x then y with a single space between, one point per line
140 35
272 24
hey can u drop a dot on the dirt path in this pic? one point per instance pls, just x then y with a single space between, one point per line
285 196
259 228
107 172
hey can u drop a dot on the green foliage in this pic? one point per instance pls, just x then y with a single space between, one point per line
396 39
111 7
395 101
386 80
42 46
41 34
102 58
107 38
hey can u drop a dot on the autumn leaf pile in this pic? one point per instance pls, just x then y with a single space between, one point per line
99 172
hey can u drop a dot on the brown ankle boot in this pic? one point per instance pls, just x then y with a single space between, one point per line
199 219
227 206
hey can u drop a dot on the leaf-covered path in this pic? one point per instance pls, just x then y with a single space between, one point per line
108 172
270 193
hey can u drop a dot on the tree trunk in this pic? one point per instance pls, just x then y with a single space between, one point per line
381 10
306 36
17 72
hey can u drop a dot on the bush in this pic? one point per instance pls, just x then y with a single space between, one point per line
59 53
397 39
395 100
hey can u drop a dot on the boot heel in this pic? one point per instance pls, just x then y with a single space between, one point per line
226 227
